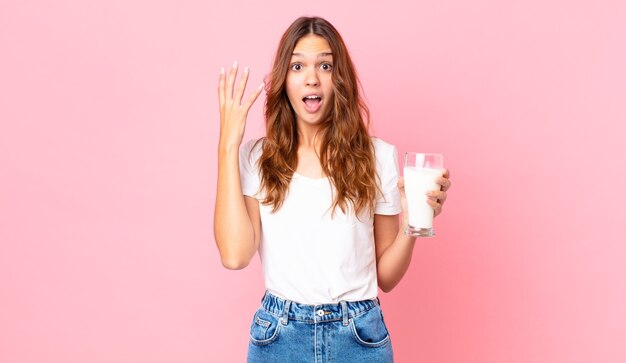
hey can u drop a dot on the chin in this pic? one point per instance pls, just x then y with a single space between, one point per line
310 119
311 122
314 119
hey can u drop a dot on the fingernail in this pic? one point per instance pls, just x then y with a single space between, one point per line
246 70
222 71
235 64
262 85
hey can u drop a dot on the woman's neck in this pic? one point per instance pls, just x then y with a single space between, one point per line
309 136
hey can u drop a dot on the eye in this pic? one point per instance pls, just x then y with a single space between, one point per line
296 67
326 66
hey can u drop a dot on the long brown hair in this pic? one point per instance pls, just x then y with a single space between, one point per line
346 153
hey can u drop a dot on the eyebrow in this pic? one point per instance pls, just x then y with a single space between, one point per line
325 54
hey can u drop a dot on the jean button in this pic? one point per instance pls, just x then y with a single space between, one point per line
320 313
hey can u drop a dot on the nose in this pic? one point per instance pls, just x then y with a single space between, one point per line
311 78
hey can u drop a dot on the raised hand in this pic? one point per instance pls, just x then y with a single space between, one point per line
233 113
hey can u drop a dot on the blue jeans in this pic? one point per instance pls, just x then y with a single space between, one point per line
286 331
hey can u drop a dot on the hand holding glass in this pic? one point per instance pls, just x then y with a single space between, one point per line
421 171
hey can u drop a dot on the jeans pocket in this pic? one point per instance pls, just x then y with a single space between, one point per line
369 329
265 328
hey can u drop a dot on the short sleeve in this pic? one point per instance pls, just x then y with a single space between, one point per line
249 173
388 202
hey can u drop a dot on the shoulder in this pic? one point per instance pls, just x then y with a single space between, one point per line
253 143
383 150
252 149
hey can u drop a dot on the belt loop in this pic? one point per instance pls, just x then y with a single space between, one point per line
344 312
285 317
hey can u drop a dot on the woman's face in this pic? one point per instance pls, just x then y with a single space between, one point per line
309 79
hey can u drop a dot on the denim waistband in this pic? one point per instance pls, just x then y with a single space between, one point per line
291 310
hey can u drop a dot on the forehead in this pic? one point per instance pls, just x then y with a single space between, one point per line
312 44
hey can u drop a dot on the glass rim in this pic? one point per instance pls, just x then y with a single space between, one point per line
421 153
412 155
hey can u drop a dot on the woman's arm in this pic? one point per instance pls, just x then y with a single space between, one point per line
236 221
394 249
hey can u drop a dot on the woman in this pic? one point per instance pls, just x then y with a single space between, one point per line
318 198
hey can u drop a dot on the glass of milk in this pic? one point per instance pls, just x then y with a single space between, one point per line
421 171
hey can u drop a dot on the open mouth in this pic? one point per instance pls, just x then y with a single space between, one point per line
312 103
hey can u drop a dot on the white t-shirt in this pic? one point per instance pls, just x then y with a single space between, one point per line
307 256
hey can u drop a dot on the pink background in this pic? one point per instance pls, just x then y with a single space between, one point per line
108 130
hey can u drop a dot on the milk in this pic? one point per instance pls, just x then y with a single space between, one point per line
417 181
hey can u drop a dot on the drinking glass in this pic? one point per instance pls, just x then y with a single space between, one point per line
421 171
